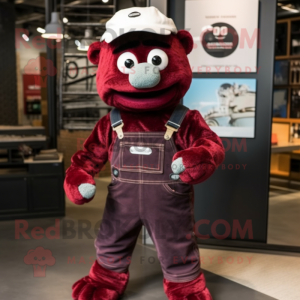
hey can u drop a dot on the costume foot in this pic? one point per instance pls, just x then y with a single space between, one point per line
193 290
101 284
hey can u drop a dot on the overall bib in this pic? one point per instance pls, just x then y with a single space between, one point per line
143 193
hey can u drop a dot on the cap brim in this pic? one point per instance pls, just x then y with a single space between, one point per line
112 34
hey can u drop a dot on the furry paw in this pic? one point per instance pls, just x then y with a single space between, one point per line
88 289
101 284
192 290
177 166
87 190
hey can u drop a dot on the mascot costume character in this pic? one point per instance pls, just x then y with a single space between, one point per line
157 148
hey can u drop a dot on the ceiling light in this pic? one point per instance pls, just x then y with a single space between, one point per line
41 30
25 37
54 28
87 40
289 8
77 43
65 20
105 1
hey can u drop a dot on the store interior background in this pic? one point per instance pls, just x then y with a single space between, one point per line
79 106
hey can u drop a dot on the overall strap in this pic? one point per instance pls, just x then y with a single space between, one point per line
175 120
117 122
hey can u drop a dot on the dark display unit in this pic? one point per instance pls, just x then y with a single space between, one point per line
281 39
281 72
28 188
295 104
288 37
280 101
295 38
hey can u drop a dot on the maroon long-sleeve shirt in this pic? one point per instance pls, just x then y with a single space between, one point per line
200 148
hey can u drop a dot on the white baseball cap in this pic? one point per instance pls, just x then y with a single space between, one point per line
148 19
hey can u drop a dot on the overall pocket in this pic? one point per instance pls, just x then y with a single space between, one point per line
178 189
142 157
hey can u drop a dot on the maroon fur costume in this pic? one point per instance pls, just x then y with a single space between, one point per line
143 110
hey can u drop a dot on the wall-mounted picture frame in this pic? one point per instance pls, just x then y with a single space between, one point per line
224 33
227 105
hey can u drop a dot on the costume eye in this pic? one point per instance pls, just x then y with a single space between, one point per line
158 58
126 62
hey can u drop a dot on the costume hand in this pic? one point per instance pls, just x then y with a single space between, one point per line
177 168
79 186
87 190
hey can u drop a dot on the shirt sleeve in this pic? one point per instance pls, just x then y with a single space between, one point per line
88 162
200 148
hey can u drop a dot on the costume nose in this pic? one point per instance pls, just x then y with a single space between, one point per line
144 76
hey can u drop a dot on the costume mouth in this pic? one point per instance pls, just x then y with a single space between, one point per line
148 96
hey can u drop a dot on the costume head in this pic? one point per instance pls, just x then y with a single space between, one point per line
142 61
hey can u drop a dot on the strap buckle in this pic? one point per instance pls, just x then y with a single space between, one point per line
169 132
119 130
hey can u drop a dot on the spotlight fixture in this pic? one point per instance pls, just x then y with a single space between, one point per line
40 30
87 40
25 37
77 43
290 8
65 20
54 28
105 1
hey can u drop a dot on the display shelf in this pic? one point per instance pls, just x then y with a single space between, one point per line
75 55
287 57
285 120
282 26
88 6
279 173
285 147
80 93
21 130
93 13
30 160
86 24
15 144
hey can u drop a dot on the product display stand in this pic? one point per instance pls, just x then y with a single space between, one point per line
28 188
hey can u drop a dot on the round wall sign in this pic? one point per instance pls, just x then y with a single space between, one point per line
219 39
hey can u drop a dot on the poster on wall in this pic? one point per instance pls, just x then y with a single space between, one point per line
227 105
32 94
225 33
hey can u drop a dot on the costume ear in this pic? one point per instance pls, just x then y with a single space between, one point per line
186 40
94 53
